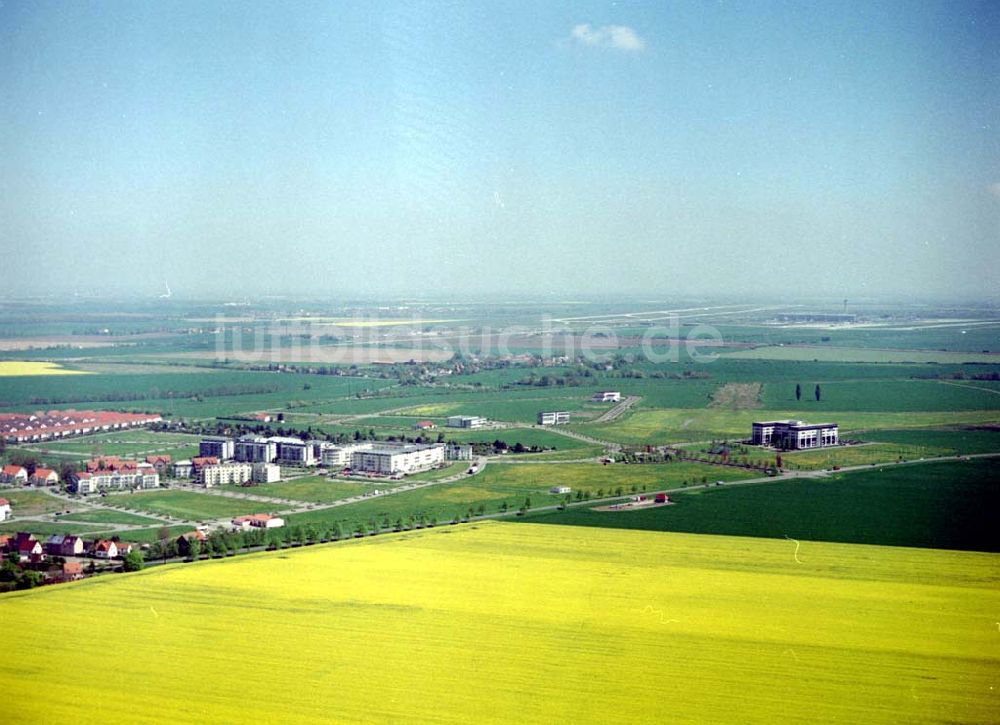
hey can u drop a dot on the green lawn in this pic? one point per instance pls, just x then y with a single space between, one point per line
40 529
860 354
934 505
25 502
187 505
107 516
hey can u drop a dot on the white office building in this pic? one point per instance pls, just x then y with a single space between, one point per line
555 418
794 434
466 421
402 459
340 456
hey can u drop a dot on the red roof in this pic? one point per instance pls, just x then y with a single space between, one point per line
163 458
43 472
13 470
205 460
253 517
4 502
104 545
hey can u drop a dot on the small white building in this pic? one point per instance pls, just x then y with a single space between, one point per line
560 489
5 509
260 521
607 396
553 418
14 474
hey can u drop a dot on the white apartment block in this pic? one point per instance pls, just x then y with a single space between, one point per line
294 451
225 473
266 473
391 460
458 452
144 478
340 456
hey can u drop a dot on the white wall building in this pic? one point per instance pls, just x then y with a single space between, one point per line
222 448
458 452
607 396
794 434
554 418
340 456
390 460
4 509
293 451
466 421
266 473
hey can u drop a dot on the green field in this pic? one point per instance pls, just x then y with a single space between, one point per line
965 440
511 483
824 458
706 424
861 355
40 529
107 516
134 444
25 502
933 505
187 505
556 621
883 395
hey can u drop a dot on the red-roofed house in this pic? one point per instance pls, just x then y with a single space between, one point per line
44 477
105 549
199 462
424 425
71 571
27 546
160 462
4 509
262 521
14 474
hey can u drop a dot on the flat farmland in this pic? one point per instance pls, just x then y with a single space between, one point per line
822 458
948 505
186 505
26 502
962 440
24 368
825 353
511 483
883 395
107 516
700 424
564 617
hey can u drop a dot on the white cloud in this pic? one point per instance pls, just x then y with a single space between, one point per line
621 37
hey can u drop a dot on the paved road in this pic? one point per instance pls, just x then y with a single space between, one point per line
619 409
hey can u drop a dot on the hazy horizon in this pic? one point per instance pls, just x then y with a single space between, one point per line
385 150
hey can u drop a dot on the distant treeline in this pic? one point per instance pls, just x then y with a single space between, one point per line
958 376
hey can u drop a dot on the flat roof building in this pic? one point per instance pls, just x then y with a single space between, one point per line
466 421
555 418
401 459
794 434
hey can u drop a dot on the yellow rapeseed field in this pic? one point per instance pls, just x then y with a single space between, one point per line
518 623
20 368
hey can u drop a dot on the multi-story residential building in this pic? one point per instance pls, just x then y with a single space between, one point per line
554 418
265 473
256 449
182 469
794 434
294 451
225 473
222 448
390 460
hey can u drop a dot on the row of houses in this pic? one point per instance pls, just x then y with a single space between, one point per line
55 424
31 550
19 476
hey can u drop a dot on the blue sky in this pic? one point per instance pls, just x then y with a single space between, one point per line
502 148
